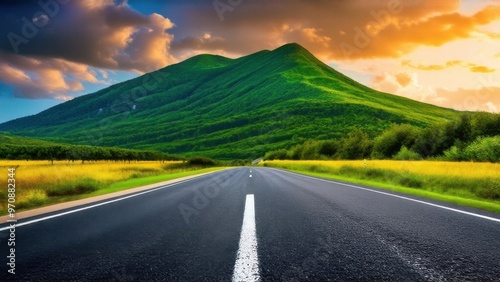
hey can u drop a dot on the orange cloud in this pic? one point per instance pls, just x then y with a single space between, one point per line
339 30
482 69
481 99
487 15
45 78
456 63
378 79
403 79
314 36
320 26
13 75
403 36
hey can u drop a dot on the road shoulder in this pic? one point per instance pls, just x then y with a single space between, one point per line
86 201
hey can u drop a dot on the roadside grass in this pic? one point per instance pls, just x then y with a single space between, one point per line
137 182
38 183
474 185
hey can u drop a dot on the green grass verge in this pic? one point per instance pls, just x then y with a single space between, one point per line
137 182
471 201
111 188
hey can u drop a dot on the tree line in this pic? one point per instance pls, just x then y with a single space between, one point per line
471 137
81 153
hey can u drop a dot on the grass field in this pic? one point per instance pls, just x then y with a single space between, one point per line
465 183
38 183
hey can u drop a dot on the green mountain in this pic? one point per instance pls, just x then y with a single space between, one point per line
227 108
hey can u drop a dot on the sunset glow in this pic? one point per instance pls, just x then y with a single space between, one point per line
440 52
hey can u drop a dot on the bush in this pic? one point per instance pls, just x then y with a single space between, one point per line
238 163
309 150
201 161
77 187
295 152
454 154
328 148
356 146
485 124
407 154
276 155
484 149
429 142
387 144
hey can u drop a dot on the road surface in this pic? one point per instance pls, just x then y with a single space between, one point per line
257 224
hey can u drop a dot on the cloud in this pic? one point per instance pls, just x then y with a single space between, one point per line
82 34
403 79
37 78
404 84
449 64
491 107
481 99
335 30
482 69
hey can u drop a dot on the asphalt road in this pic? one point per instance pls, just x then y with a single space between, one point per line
305 228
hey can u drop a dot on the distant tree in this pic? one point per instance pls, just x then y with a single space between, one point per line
280 154
483 149
357 145
201 161
309 150
406 154
390 142
328 148
484 124
295 152
429 141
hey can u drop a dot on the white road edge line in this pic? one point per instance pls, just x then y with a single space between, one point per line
246 267
97 205
396 196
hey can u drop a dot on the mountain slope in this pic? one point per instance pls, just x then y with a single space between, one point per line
9 139
227 108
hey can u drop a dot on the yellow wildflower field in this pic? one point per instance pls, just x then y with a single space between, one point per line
458 169
35 178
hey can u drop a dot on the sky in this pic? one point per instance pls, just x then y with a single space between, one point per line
444 52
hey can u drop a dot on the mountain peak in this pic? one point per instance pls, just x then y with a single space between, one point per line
290 48
206 61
